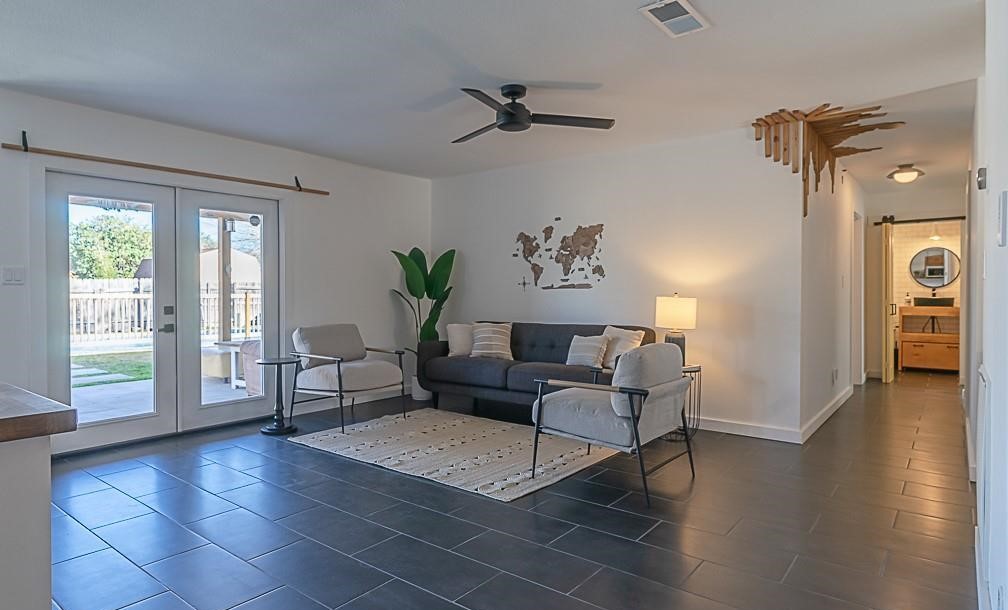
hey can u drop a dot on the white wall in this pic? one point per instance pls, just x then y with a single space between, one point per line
706 217
826 316
992 436
916 200
336 262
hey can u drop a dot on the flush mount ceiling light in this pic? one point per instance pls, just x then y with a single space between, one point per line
905 173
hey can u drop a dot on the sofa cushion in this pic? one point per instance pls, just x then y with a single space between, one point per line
469 370
586 414
521 377
358 375
534 342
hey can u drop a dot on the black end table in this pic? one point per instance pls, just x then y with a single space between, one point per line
278 426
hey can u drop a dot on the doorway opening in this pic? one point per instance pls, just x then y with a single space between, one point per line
922 267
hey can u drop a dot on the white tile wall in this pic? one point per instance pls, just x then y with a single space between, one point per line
908 240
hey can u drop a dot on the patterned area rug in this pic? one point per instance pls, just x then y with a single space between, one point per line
484 456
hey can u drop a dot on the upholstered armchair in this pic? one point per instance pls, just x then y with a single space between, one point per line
645 401
251 351
334 363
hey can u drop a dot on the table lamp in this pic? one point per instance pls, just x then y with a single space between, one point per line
677 314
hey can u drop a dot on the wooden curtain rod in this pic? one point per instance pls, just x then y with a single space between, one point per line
161 168
920 220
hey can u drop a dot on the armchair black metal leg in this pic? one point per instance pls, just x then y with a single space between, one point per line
435 396
339 381
353 415
402 396
342 425
538 425
589 449
689 444
402 384
640 453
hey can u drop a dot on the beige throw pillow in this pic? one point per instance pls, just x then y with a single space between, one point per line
587 351
491 340
621 341
460 339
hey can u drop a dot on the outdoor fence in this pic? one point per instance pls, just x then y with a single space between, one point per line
127 316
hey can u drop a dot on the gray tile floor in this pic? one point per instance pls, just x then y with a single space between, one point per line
874 512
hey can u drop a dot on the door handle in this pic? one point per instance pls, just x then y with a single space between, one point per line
892 309
167 328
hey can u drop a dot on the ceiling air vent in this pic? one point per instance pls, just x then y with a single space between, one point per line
676 18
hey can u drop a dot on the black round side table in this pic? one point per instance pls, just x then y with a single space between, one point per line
278 426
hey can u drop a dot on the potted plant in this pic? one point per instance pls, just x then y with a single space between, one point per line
429 286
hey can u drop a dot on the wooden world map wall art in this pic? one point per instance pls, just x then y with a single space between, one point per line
561 259
809 141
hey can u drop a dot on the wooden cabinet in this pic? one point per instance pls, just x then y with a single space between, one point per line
929 338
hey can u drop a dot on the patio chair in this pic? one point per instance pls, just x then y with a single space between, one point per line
334 363
250 352
645 401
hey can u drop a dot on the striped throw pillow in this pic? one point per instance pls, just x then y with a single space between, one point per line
587 351
491 340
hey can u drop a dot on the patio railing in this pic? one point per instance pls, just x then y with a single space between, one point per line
126 316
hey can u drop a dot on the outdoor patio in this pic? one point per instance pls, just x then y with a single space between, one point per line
125 399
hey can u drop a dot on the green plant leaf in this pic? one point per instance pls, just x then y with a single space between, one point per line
414 277
416 315
429 332
421 260
440 273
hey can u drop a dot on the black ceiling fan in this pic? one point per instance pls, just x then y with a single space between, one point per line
514 116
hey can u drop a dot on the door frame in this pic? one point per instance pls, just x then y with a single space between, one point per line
193 413
163 420
38 296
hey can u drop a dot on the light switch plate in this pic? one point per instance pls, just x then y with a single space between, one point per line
13 276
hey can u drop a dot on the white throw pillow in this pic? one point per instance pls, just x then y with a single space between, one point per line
460 339
587 351
621 341
492 340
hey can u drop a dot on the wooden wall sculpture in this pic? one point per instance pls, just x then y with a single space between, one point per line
811 140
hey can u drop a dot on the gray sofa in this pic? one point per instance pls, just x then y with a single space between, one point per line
539 350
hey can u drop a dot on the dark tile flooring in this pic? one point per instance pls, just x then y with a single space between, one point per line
875 511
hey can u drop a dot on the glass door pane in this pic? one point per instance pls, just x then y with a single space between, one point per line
231 314
110 306
228 282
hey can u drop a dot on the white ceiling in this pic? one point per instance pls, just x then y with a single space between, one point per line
376 82
937 139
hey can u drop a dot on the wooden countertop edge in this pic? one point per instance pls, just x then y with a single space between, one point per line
34 420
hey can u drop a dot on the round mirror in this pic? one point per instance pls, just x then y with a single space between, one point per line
934 267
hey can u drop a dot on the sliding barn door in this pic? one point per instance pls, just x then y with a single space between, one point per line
889 316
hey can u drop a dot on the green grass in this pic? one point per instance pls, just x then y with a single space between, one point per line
137 365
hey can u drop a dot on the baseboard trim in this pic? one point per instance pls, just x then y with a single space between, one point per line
873 374
773 433
820 418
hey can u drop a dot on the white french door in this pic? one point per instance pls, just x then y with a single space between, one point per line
228 293
158 301
110 300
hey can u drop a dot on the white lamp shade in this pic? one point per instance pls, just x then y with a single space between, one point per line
675 312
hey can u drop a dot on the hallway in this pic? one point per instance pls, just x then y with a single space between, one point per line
875 511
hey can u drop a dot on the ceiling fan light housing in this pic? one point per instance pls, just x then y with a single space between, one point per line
905 173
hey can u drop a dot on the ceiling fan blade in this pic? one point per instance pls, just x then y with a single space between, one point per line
478 132
572 121
486 99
